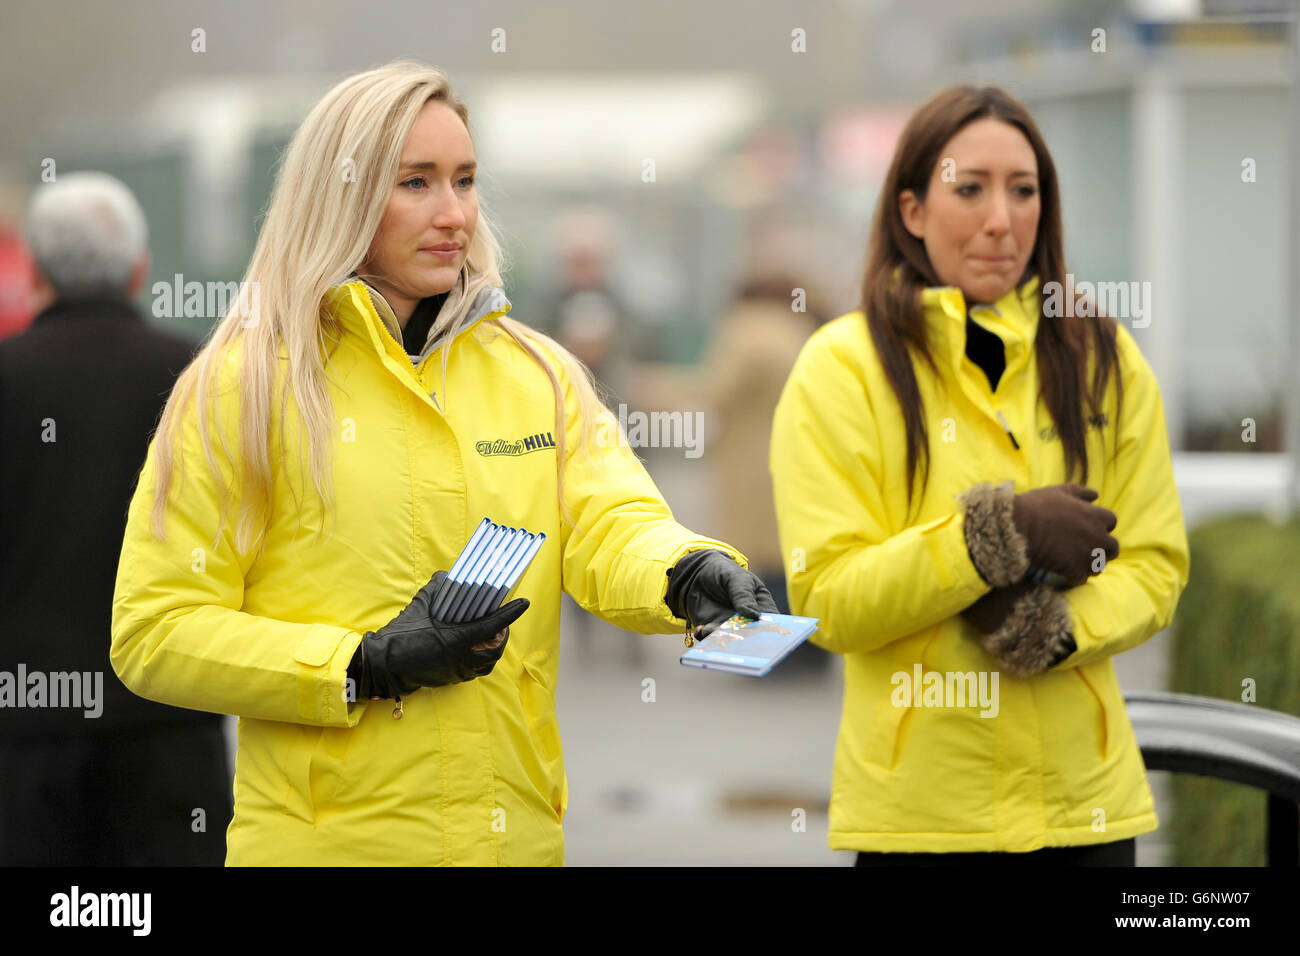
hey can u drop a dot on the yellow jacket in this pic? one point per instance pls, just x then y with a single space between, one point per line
473 773
1054 762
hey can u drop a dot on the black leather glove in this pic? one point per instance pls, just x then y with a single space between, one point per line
414 650
707 587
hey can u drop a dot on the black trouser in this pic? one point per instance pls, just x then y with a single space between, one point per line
1121 853
125 799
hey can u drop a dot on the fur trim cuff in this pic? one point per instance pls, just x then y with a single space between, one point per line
999 552
1035 636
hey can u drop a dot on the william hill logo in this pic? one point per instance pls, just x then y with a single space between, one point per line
520 446
1094 421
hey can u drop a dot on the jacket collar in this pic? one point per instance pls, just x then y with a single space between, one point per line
1013 318
90 307
363 309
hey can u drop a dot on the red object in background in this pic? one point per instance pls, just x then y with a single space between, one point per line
16 311
857 143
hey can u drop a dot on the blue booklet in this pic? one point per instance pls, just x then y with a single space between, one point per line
490 564
752 648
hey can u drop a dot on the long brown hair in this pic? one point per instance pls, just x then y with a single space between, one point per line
898 269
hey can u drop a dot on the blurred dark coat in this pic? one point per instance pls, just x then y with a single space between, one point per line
93 376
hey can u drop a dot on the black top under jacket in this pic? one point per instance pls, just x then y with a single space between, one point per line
986 350
421 321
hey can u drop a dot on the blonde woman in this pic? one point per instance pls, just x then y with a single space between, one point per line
335 449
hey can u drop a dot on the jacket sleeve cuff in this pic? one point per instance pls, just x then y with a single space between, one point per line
1036 634
998 550
324 694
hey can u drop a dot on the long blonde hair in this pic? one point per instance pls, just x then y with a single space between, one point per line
318 230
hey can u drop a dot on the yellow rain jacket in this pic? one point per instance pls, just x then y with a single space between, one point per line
473 772
1053 760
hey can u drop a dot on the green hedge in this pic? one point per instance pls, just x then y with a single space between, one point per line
1239 618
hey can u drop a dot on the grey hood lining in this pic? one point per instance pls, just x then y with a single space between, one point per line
489 299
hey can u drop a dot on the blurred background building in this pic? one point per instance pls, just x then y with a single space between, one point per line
688 129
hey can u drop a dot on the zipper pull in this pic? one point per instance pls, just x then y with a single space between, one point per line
397 709
1007 428
434 395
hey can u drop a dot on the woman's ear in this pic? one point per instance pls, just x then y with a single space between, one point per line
912 211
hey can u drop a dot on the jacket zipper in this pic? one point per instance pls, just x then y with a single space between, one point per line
1001 418
398 709
416 369
1007 428
366 289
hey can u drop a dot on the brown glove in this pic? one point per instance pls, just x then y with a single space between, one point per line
1026 627
1054 528
988 613
1063 530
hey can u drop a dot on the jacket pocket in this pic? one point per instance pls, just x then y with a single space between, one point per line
1103 715
888 719
326 769
543 728
886 729
292 747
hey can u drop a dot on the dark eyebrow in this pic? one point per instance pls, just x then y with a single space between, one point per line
985 172
469 165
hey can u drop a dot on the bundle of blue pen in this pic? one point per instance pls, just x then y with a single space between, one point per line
488 567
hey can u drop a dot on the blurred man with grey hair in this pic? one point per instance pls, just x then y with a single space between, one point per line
92 775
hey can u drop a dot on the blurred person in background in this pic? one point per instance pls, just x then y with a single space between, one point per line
588 319
735 387
312 620
117 782
952 459
740 381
